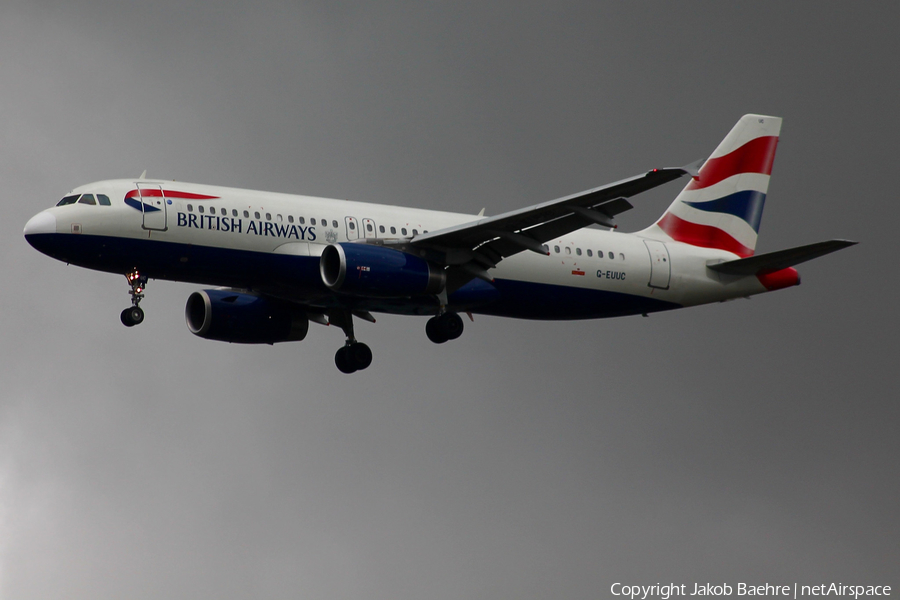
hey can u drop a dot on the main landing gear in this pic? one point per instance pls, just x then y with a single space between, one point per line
444 327
135 314
353 356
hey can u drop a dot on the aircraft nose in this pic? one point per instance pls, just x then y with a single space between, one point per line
43 222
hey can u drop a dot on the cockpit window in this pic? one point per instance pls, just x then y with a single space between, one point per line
91 199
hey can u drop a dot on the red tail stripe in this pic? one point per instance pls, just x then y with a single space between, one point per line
756 156
156 193
701 235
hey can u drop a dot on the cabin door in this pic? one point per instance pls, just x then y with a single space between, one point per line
153 205
660 264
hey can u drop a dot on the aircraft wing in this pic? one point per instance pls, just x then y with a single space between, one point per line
480 245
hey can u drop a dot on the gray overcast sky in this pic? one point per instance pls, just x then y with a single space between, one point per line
749 441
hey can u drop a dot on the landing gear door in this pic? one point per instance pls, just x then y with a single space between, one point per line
153 205
660 264
352 228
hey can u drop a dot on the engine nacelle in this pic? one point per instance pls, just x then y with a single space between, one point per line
366 270
229 316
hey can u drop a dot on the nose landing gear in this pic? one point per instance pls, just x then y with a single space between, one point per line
135 314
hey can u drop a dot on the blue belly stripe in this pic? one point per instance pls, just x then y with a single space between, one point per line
298 277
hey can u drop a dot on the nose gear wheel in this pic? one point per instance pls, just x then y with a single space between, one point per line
132 316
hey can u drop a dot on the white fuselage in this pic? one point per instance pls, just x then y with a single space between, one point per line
271 242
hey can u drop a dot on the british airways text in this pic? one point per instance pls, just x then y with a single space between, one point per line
234 225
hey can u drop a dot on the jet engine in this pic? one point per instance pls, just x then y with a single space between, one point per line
241 318
366 270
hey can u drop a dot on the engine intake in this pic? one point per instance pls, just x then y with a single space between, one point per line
366 270
240 318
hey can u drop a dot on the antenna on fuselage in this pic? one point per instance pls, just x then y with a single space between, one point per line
143 175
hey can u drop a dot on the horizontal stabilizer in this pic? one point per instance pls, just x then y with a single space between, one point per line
775 261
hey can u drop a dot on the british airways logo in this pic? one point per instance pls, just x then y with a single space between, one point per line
138 198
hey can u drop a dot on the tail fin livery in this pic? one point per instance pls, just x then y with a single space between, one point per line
722 207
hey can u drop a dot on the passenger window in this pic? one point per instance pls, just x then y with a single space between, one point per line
224 212
590 253
568 250
246 214
415 232
612 256
403 230
301 220
556 249
201 208
622 256
599 253
103 199
334 224
233 212
279 218
68 200
578 251
393 230
87 199
268 216
352 225
290 218
256 214
369 227
312 221
381 228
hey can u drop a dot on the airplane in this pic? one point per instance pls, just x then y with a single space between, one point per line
278 262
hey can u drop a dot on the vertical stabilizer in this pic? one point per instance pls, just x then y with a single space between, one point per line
722 207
